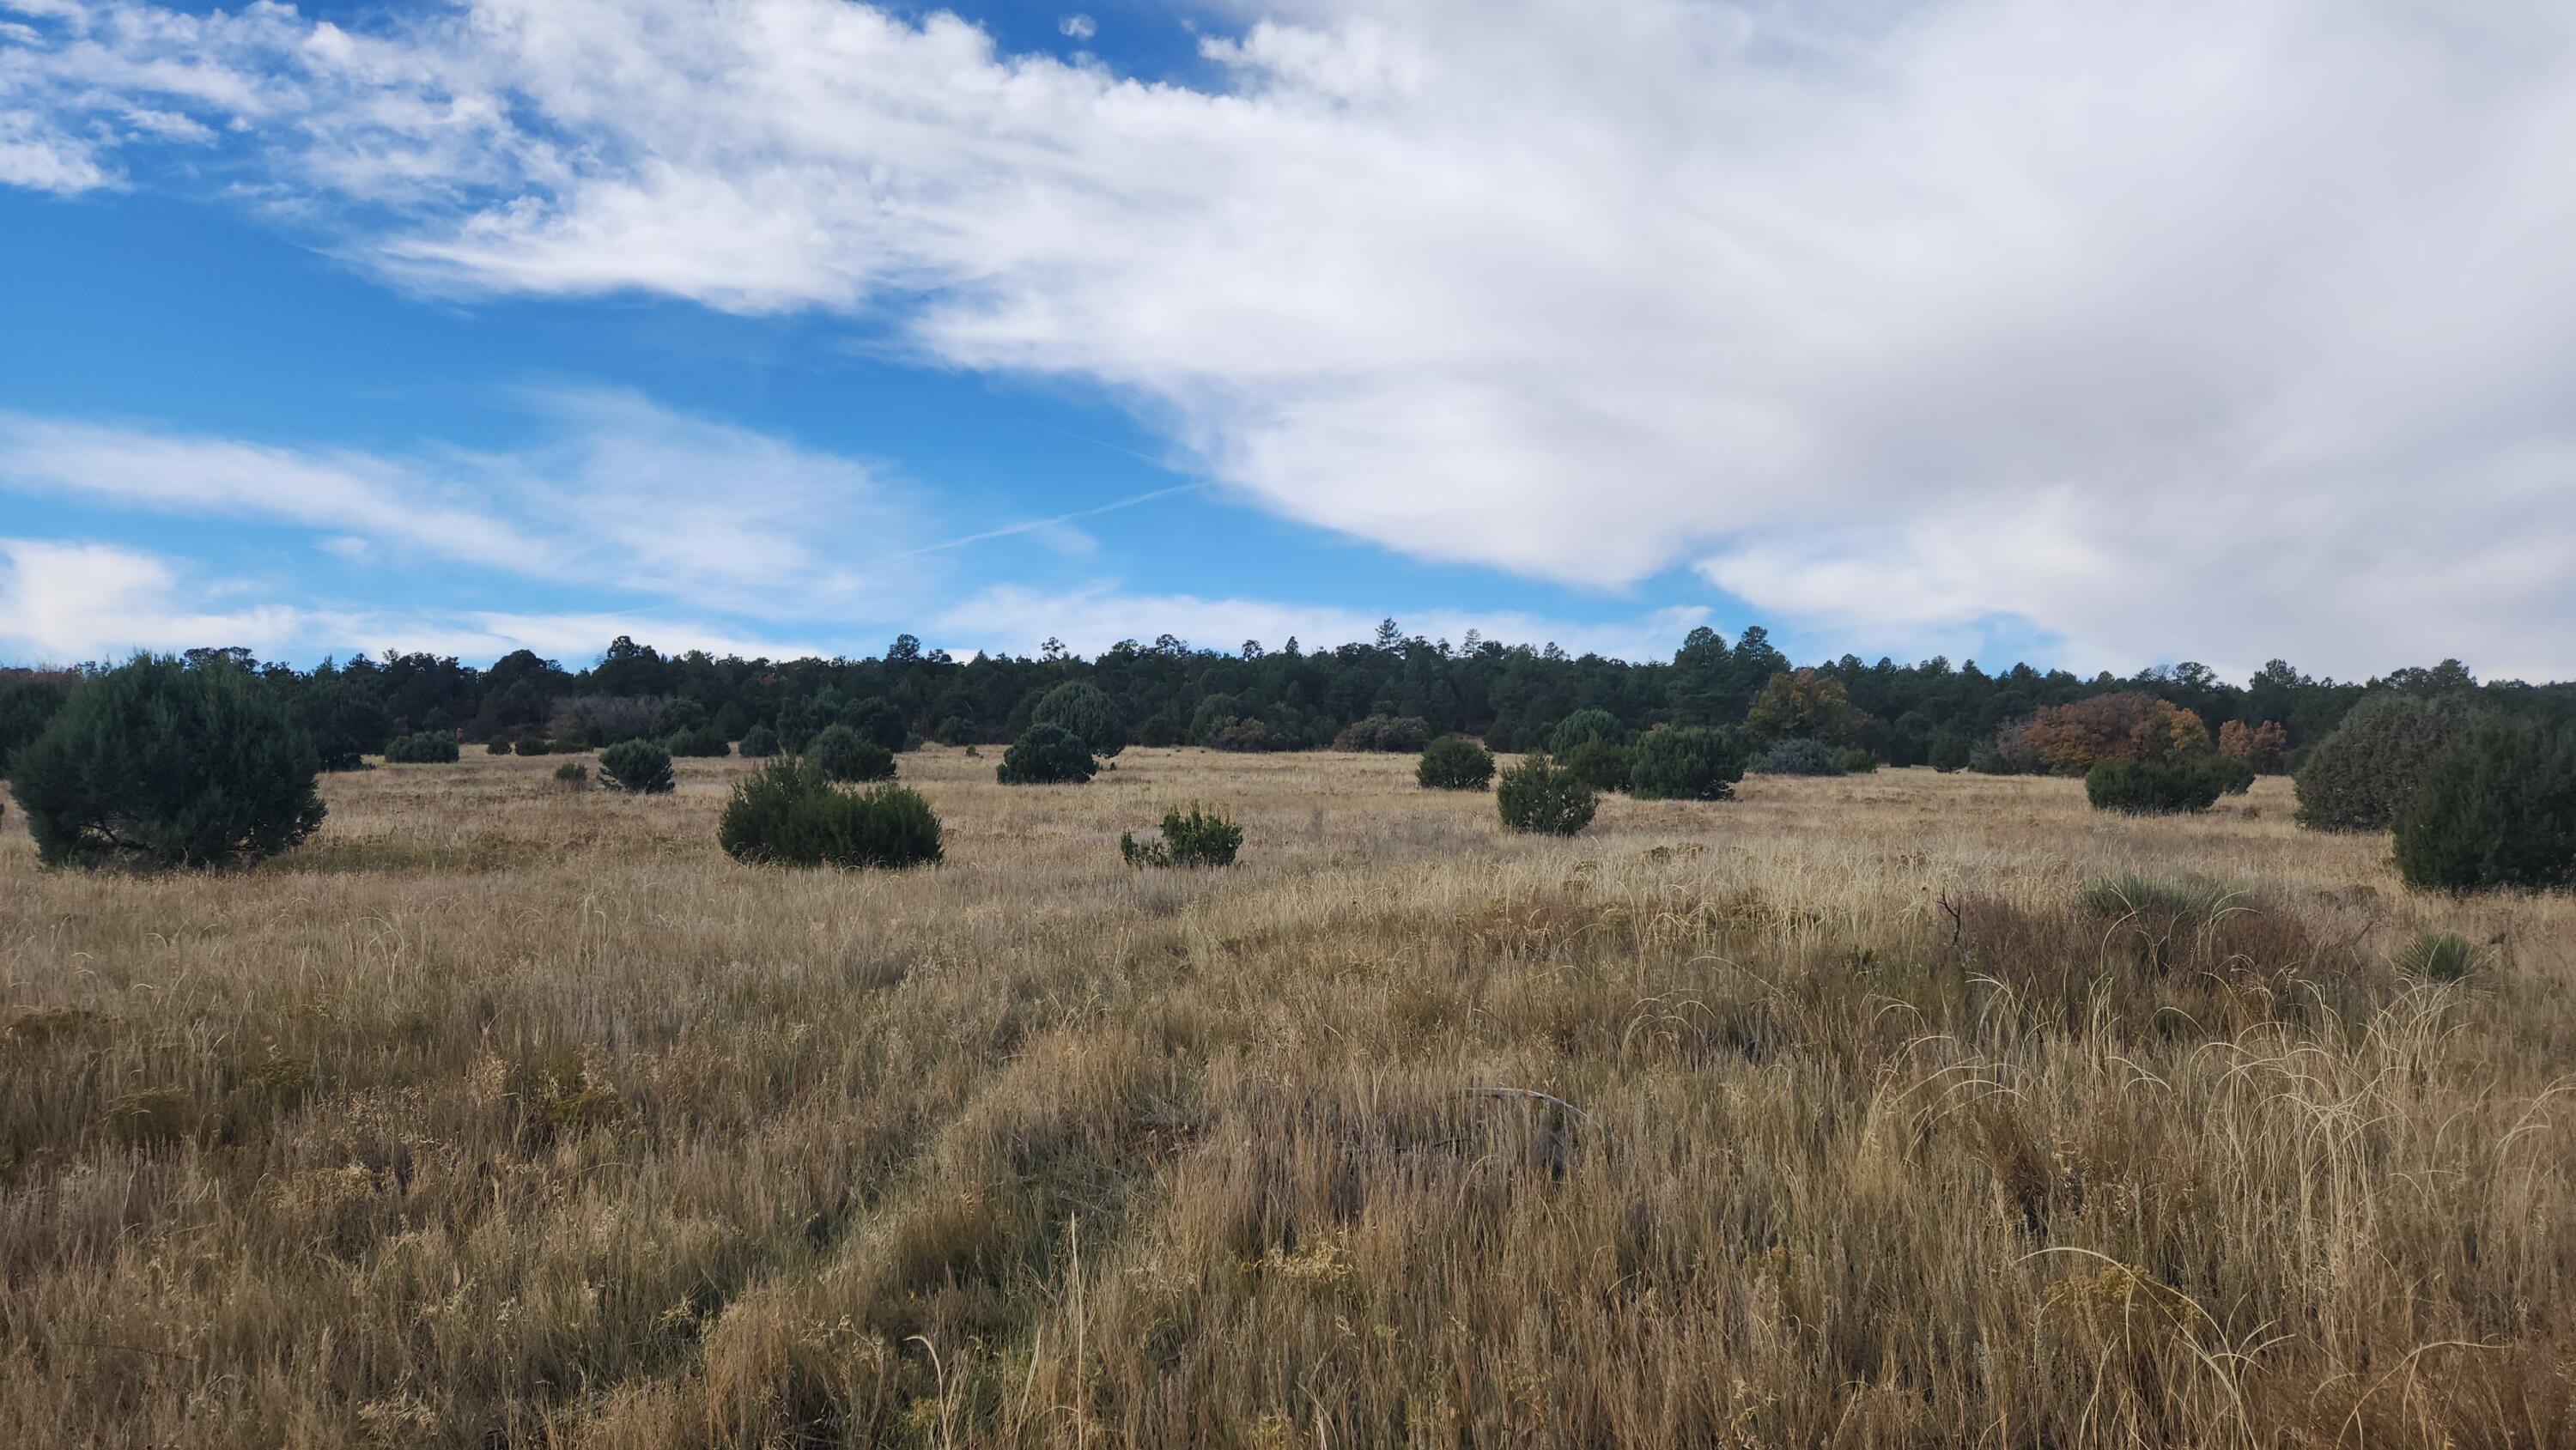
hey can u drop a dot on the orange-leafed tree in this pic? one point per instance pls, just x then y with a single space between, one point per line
2075 737
2266 747
1803 705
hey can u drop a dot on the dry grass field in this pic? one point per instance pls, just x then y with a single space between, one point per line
500 1115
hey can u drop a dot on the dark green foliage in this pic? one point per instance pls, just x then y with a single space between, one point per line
1582 727
638 767
2358 777
1083 712
497 745
573 775
1599 764
1687 763
26 707
1392 733
881 721
1949 752
677 716
1046 755
703 742
1545 798
157 763
787 813
427 747
758 743
2234 774
1454 762
843 754
2157 787
2441 957
348 724
535 745
2496 809
1798 757
1858 761
1188 840
954 731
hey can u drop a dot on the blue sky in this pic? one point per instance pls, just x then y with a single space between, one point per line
2072 335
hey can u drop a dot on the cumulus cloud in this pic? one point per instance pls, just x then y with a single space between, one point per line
1078 27
2163 326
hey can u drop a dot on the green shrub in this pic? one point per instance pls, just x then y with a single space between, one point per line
573 775
497 745
2158 787
536 745
702 742
1454 762
843 754
2441 957
1392 733
1188 840
1798 757
1540 796
1686 763
788 813
881 721
1581 727
2172 898
1046 755
2234 774
1859 761
954 731
1599 764
429 747
2496 809
758 743
677 716
1083 712
28 706
638 767
1949 752
159 763
348 724
2356 778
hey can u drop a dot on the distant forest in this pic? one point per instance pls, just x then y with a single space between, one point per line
1255 698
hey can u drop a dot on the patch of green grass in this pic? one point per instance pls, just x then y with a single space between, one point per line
2441 956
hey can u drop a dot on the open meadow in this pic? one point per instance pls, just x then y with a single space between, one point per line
500 1114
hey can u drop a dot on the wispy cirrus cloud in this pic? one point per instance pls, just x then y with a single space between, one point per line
1886 317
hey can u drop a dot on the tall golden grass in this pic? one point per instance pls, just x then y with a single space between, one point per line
503 1115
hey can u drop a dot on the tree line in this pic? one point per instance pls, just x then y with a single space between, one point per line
1252 697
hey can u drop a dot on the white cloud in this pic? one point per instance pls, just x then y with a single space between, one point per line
2220 324
612 491
1078 27
1010 619
63 602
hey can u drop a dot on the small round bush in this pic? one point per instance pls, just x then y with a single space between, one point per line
842 753
1949 752
1583 727
2357 777
703 742
161 763
1083 712
497 745
1599 764
787 813
2155 787
1454 762
428 747
758 743
1392 733
1194 839
1545 798
2497 809
638 767
1686 763
1798 757
535 745
1859 761
573 775
1046 755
